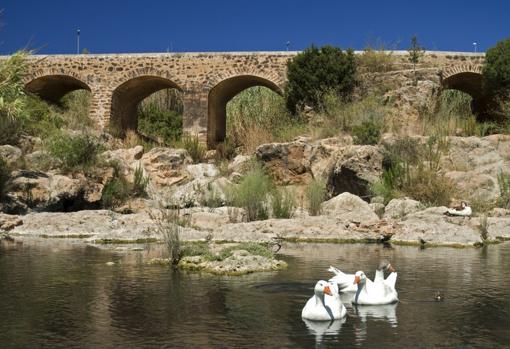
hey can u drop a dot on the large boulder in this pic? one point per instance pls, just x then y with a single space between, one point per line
474 164
354 169
432 226
399 208
289 163
350 208
10 154
166 166
8 222
53 192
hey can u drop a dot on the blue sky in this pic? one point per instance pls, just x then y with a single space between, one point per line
109 26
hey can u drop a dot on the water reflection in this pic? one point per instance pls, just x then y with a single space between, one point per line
64 295
319 329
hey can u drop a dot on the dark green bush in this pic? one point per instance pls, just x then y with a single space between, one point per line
5 174
115 192
10 130
368 132
162 125
496 70
317 71
73 151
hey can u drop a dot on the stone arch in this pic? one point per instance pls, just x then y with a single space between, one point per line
222 92
465 78
54 84
468 79
127 95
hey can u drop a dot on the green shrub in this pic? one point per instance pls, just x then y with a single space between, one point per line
10 130
5 174
252 194
283 203
496 69
194 147
504 190
76 108
211 197
12 95
140 182
368 132
339 116
73 151
316 71
258 115
413 169
450 114
166 224
115 192
165 126
315 194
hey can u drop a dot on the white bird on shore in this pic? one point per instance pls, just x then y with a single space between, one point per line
346 282
325 304
463 210
375 293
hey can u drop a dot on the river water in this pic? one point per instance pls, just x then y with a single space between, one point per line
63 295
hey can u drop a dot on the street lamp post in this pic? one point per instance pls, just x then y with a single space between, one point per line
78 41
475 45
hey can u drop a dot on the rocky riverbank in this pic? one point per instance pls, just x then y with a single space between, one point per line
56 205
347 218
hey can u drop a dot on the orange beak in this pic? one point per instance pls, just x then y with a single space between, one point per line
391 269
357 279
327 290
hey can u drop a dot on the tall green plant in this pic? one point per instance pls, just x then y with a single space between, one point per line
283 203
316 71
12 92
252 194
73 151
315 194
416 52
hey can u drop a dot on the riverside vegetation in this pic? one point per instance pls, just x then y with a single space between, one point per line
336 108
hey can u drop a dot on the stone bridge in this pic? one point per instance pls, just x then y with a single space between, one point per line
207 81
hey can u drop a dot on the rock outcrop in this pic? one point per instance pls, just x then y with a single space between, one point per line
355 168
349 208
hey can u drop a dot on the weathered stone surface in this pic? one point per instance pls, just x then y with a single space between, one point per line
8 222
399 208
378 208
289 163
349 208
96 225
239 163
499 227
10 154
165 166
432 226
474 164
52 192
354 169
